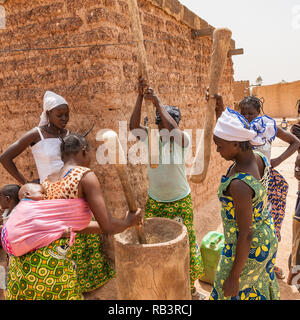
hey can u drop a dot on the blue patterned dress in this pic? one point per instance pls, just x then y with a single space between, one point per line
257 279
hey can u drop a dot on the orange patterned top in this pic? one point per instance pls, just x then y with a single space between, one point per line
66 188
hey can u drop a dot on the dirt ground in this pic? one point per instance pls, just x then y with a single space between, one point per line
208 219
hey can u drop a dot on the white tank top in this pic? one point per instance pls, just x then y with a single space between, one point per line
47 157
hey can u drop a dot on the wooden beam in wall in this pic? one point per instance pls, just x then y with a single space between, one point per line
235 52
208 32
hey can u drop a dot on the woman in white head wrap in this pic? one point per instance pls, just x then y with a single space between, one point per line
246 267
44 140
50 102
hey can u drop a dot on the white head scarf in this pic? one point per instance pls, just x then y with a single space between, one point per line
232 126
51 101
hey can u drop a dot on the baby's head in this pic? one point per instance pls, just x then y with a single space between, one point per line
33 191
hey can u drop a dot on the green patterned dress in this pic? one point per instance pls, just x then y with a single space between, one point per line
44 274
257 280
58 271
181 211
93 271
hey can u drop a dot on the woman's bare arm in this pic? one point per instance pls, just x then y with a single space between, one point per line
93 227
135 120
14 150
108 224
294 145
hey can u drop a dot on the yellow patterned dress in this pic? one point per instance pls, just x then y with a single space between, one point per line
93 271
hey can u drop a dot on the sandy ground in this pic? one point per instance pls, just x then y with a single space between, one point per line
208 219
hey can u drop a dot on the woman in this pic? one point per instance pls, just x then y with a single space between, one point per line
43 140
49 273
251 108
169 193
245 270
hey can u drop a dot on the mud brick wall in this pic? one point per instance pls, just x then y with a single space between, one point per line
83 50
241 90
280 99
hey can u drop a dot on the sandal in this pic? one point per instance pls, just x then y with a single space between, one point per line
279 273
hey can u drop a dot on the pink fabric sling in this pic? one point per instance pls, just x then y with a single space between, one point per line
35 224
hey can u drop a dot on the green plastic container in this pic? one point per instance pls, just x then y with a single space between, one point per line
211 248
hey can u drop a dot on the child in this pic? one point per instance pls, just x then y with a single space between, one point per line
8 200
37 222
32 191
246 267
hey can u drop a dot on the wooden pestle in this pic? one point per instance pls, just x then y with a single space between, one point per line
221 41
111 141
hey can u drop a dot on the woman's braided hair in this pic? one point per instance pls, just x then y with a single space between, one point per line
256 102
72 144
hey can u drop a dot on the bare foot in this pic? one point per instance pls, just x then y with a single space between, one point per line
67 233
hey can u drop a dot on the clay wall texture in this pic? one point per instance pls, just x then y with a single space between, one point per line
280 99
241 90
91 61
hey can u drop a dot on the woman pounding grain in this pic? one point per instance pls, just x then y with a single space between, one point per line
169 193
49 273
